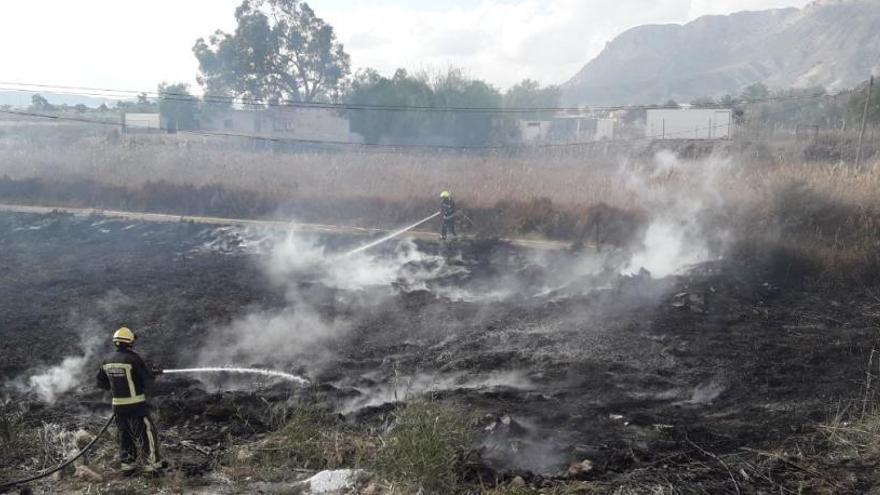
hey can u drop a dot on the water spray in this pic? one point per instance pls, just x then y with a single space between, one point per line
390 236
252 371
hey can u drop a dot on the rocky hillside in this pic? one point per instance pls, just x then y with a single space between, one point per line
833 43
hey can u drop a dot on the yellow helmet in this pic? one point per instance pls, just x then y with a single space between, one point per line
123 336
444 194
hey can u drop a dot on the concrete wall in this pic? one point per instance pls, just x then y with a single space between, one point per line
141 121
534 131
308 124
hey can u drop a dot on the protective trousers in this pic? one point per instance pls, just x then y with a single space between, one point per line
137 434
447 226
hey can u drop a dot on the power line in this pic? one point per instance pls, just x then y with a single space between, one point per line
120 93
259 137
390 147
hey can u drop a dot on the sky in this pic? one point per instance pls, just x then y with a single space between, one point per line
134 45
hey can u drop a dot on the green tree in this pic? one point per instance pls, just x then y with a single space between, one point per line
369 88
141 105
529 94
727 101
40 103
755 92
857 103
178 108
280 50
466 128
450 89
703 102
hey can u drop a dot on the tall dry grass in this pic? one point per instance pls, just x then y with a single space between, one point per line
480 179
570 177
826 213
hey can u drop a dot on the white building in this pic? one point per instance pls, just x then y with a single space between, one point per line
605 129
689 123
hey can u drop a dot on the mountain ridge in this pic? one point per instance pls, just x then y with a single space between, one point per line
830 43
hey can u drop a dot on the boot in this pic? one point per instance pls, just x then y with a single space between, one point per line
156 469
127 468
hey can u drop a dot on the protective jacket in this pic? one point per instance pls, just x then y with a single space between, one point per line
126 375
447 208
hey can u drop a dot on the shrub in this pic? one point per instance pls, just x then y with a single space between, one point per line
425 447
312 438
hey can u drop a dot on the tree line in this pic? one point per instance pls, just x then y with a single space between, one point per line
281 51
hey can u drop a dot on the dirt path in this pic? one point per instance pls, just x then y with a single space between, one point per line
275 224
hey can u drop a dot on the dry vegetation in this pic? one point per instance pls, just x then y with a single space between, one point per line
821 217
796 220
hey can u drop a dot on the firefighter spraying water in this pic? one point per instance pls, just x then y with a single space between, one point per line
126 376
448 214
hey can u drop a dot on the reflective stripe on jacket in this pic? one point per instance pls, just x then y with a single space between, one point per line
126 376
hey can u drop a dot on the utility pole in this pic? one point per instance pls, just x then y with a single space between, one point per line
864 123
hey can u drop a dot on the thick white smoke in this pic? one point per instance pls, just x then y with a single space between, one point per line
296 258
677 194
300 332
50 383
57 380
676 237
294 334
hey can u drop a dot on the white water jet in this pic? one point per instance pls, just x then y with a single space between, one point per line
390 236
253 371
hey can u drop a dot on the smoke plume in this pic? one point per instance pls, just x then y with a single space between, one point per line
50 383
678 235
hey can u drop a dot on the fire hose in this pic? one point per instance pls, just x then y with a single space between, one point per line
6 485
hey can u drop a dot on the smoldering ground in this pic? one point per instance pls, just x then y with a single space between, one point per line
328 293
479 321
332 296
90 324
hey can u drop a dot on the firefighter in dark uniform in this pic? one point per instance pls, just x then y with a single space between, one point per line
447 212
126 375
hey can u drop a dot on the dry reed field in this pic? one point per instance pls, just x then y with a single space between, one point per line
831 211
570 177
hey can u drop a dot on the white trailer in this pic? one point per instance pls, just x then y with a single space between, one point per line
689 123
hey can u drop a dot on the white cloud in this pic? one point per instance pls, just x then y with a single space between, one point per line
135 45
503 41
113 43
499 41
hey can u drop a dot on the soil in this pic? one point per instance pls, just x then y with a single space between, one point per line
649 379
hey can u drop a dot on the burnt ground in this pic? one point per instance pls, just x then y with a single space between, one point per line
648 379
